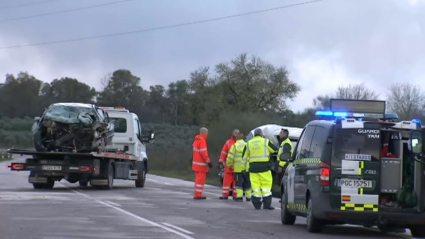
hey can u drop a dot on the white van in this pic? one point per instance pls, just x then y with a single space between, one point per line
128 132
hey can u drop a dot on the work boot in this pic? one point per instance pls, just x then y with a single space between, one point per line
224 198
248 199
200 198
238 199
268 203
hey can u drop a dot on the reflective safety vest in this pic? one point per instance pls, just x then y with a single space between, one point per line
257 154
286 141
234 157
200 158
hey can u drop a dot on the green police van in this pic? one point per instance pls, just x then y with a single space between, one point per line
356 165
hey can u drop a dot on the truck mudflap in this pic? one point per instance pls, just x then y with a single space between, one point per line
54 169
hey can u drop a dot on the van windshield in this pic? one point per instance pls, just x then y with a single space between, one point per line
361 144
120 125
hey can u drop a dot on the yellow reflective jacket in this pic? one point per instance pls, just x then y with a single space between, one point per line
234 157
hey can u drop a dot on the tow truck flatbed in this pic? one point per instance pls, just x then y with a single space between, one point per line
97 168
111 153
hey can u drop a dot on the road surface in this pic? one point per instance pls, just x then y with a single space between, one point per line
163 209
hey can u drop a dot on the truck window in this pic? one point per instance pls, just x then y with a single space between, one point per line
305 143
120 125
319 139
136 128
357 141
100 112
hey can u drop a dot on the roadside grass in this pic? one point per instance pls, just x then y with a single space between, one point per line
4 160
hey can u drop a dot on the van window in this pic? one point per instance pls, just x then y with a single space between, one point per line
304 150
120 125
355 141
319 139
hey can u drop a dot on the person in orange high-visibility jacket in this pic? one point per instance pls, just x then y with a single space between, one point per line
228 177
200 162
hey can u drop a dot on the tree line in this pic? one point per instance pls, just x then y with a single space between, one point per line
242 93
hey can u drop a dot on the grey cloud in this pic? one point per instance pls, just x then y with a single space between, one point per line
375 41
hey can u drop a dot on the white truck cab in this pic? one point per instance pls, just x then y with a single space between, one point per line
128 132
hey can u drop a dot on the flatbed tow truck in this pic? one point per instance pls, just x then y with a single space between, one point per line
98 168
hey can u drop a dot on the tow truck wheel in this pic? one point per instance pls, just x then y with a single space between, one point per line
110 177
83 183
417 231
50 184
313 224
286 217
38 185
141 178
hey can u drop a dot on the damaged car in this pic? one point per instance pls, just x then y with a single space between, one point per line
72 127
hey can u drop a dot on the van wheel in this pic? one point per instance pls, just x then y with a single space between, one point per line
313 224
417 231
286 217
141 178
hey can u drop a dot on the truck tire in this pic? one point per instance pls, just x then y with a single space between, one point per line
417 231
286 217
38 185
313 224
83 183
111 175
141 178
49 185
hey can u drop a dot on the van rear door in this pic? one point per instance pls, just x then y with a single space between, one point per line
355 169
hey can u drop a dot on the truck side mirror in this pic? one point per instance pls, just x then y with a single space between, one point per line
285 156
150 138
36 119
416 142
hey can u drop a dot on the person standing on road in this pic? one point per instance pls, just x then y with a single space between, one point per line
228 177
257 154
235 161
285 147
200 162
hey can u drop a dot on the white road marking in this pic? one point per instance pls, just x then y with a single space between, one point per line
178 228
132 215
157 181
112 203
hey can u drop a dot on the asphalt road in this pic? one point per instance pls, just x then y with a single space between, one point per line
163 209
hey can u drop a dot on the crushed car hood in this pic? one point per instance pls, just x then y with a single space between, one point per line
69 115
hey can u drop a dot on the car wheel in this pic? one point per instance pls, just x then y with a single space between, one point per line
286 217
313 224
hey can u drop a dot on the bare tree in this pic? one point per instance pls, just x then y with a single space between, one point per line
406 100
356 92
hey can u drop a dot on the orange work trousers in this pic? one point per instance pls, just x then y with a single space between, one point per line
200 178
228 180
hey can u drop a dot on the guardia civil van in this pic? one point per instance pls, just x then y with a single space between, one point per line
355 166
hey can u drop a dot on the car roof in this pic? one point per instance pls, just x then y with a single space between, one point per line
294 132
82 105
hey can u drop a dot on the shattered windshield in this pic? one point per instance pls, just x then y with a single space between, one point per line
69 114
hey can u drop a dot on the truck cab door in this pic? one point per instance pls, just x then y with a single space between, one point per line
416 142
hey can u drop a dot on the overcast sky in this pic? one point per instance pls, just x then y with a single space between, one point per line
323 44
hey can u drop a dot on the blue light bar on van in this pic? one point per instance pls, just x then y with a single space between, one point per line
331 113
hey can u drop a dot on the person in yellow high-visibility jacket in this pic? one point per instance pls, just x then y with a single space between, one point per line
257 153
285 147
237 164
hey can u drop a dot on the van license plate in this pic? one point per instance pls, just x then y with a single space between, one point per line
48 167
354 183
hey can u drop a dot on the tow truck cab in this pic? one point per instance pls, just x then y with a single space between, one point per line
356 169
128 134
